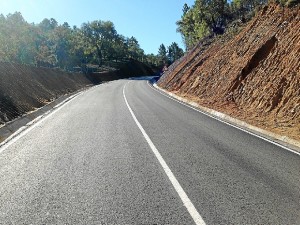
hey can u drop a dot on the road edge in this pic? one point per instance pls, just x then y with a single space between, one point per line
15 127
281 141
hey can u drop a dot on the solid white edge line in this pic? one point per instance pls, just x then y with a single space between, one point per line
22 131
183 196
237 127
37 121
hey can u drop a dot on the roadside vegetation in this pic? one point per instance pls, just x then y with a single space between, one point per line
209 18
53 45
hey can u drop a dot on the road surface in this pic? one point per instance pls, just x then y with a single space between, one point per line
94 161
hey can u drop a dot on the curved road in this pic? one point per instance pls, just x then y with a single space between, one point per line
89 163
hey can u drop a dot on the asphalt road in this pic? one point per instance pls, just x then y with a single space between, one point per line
89 163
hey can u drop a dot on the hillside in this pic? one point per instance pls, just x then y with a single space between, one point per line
25 88
255 76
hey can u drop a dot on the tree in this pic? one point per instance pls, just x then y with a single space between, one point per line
188 26
174 52
133 47
66 25
120 48
78 45
212 14
185 9
49 44
162 54
17 39
152 59
205 17
99 36
46 25
211 17
60 37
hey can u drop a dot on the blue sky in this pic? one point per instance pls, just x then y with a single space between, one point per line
152 22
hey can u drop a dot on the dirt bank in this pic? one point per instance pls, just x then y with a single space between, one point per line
24 88
254 77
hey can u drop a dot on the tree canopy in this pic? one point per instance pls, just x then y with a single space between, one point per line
211 17
50 44
168 55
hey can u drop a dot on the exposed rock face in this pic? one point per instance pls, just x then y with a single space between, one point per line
254 77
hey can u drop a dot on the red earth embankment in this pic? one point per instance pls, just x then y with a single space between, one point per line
255 76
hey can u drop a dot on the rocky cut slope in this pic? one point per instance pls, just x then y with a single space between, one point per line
254 77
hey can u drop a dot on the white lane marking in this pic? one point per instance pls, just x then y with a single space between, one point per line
22 131
183 196
30 126
239 128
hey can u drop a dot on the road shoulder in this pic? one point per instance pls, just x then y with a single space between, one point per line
282 141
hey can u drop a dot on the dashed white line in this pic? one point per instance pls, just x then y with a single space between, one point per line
183 196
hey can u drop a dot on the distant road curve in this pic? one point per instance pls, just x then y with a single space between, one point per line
122 153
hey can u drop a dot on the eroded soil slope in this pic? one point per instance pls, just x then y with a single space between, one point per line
255 76
24 88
